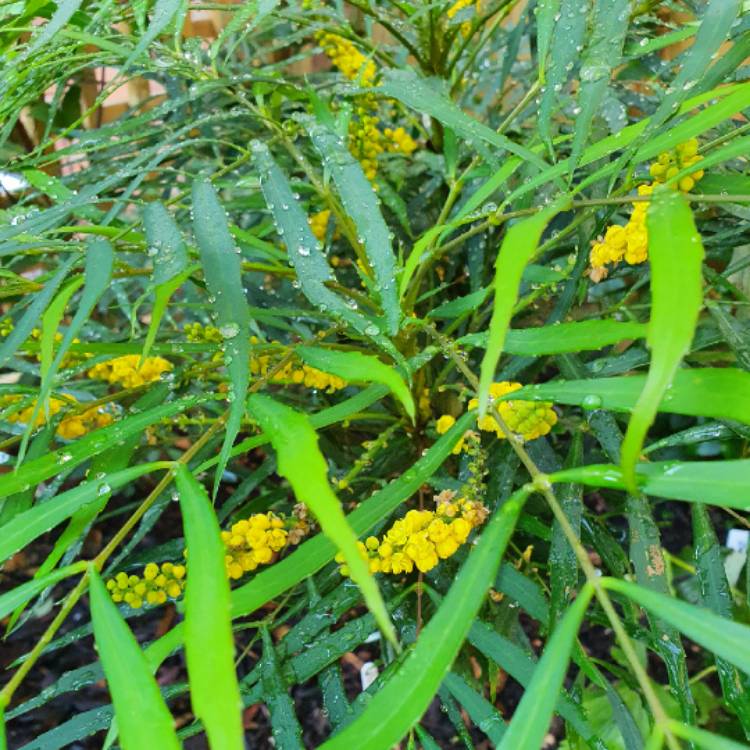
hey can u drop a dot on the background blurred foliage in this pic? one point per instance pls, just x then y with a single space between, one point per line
268 259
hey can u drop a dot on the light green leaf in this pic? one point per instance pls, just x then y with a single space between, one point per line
21 594
703 739
530 721
223 272
724 483
357 367
546 10
34 311
724 638
562 337
410 687
299 460
209 642
362 205
27 526
143 718
676 255
53 462
699 392
518 248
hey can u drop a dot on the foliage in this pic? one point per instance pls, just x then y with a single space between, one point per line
433 318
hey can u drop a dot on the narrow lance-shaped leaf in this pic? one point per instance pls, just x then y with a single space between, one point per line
545 12
358 367
53 462
22 329
361 204
676 254
209 642
423 96
703 739
167 249
21 594
27 526
717 596
304 252
100 257
725 483
143 719
223 272
578 336
301 462
609 27
410 688
531 719
567 38
723 637
518 248
698 392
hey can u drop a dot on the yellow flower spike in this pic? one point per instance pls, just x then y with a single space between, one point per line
126 372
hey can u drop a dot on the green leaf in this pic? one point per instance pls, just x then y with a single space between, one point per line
562 337
21 594
609 27
424 96
358 367
30 319
546 10
700 392
302 464
703 739
518 248
481 711
362 205
313 271
209 642
169 252
409 689
531 719
724 483
143 718
567 38
53 462
723 637
63 13
97 274
287 731
676 299
223 272
27 526
717 596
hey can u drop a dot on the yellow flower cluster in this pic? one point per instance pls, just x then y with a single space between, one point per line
69 428
366 140
670 163
421 538
630 242
253 542
319 224
456 8
200 334
529 419
302 374
6 327
70 358
347 58
125 370
154 587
